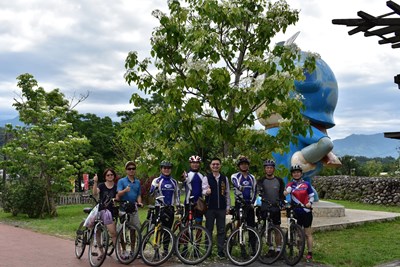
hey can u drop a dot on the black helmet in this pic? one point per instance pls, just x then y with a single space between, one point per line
296 168
242 159
166 164
269 162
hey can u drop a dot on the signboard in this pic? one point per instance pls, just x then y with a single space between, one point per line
86 181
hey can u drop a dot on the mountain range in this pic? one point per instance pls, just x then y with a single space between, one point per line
370 146
14 122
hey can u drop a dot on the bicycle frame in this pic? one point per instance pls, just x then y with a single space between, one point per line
241 221
157 224
290 219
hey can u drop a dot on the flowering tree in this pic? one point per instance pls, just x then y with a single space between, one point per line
212 59
45 156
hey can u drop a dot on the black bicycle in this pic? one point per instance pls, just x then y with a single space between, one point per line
295 237
243 245
273 240
158 244
128 236
193 241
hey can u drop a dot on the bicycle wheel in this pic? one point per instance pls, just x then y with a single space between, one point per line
145 228
157 246
272 244
80 240
176 227
110 247
193 244
243 246
228 230
128 244
295 243
98 246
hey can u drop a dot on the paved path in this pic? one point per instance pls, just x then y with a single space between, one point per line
20 247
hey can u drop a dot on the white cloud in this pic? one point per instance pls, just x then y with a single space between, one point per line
81 46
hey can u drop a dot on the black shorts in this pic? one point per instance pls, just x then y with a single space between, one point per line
304 219
274 213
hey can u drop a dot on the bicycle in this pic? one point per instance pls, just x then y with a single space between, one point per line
272 237
243 245
295 237
193 241
128 236
96 237
180 222
158 238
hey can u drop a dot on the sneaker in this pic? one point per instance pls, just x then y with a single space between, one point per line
221 255
124 255
309 257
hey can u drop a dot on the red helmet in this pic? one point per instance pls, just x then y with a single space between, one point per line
194 159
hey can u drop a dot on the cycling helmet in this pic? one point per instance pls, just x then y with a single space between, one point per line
166 164
296 168
242 159
269 162
194 158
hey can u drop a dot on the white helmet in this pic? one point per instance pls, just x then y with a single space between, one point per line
194 159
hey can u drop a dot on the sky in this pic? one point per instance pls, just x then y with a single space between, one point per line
80 46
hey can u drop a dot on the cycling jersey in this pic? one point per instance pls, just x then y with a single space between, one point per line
244 187
302 193
195 185
166 186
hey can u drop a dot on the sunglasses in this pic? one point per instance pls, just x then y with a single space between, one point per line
131 169
167 168
109 174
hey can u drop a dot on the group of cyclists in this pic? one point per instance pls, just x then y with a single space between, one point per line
214 188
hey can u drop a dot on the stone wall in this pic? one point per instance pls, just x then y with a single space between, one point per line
371 190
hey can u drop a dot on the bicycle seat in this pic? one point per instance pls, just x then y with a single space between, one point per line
152 207
160 199
87 210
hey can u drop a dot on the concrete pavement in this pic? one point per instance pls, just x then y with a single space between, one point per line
330 216
21 247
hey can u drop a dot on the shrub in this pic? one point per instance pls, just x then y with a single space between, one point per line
27 197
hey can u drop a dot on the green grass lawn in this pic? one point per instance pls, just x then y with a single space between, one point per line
366 245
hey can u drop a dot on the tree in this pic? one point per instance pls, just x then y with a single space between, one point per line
150 134
43 157
100 132
212 60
